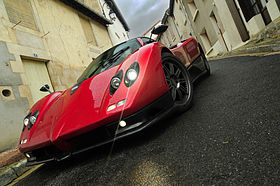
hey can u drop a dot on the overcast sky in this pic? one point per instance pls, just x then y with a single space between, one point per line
140 15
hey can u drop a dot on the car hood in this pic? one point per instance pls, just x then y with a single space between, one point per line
69 115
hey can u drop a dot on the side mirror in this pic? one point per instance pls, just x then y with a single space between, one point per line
159 29
46 88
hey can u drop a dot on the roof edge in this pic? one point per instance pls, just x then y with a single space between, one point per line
87 11
114 7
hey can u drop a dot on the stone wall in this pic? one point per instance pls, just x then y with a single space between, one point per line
13 107
58 40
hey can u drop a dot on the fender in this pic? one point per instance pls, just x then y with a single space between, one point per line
42 105
187 51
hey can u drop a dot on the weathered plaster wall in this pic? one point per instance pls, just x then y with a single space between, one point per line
59 41
231 34
181 20
167 37
116 30
13 107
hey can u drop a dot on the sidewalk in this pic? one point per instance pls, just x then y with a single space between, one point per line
265 43
9 157
12 166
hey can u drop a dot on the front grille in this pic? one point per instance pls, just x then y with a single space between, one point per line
93 137
107 133
45 153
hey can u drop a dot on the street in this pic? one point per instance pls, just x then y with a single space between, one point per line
230 135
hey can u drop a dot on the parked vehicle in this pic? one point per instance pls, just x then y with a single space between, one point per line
124 90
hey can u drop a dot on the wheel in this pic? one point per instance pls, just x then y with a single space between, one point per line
205 61
178 80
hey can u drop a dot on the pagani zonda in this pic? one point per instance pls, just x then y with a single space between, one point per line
124 90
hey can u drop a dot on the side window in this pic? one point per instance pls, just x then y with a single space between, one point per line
147 40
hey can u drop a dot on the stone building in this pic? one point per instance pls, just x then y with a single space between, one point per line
220 25
179 27
118 30
148 32
44 42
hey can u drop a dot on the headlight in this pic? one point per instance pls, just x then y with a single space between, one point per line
33 119
115 82
26 121
131 74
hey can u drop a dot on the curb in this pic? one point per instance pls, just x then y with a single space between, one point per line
254 51
12 172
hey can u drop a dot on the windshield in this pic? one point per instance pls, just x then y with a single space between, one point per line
112 57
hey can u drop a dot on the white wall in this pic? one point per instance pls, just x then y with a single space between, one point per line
273 9
116 30
255 24
231 34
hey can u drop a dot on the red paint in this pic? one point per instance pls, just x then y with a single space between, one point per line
63 116
187 51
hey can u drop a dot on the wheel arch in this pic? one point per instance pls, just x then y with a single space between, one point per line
200 48
165 50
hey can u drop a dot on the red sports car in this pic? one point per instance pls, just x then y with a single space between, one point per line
123 91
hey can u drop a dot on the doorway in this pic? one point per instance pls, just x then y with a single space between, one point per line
37 75
264 11
250 8
240 25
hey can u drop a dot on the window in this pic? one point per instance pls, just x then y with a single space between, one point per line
20 12
117 35
255 6
88 31
205 40
250 8
193 8
112 57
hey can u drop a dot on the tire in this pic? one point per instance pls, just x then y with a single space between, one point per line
205 61
178 80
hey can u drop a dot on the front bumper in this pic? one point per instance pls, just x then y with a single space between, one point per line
106 134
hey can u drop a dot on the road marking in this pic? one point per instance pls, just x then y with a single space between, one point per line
24 175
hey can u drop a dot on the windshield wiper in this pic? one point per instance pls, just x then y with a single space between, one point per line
118 54
111 59
101 63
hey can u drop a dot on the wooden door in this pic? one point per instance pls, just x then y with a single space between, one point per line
37 75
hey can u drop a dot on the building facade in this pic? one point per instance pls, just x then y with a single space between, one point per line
118 30
44 42
178 23
221 26
149 31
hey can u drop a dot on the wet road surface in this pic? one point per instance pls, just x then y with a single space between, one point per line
229 136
